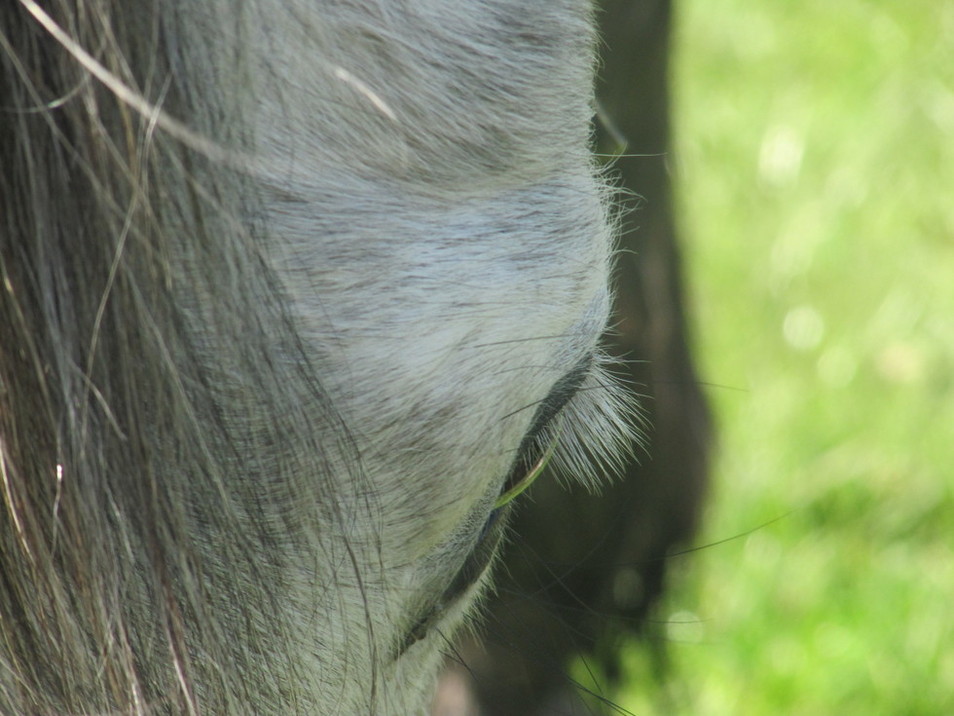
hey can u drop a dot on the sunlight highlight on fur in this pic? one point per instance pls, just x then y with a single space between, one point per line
600 429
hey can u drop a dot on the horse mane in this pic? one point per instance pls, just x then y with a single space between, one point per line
111 433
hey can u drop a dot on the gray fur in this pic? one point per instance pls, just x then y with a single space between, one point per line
282 282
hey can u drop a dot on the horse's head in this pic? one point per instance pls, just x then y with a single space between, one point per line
296 296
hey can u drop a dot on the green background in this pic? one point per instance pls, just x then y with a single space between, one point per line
815 168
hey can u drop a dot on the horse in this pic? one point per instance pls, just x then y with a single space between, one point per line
297 297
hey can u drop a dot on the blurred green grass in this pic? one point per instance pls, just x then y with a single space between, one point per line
815 165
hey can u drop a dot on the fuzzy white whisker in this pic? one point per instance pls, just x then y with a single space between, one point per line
600 429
